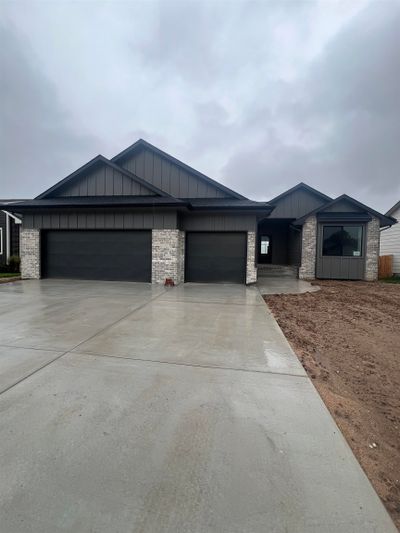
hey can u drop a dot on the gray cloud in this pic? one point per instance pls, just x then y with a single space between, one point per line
37 143
257 94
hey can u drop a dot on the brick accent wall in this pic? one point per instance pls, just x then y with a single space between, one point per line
30 253
308 248
372 250
251 268
168 255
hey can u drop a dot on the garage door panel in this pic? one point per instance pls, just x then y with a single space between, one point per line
104 255
216 257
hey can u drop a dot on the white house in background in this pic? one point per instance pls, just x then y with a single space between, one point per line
390 239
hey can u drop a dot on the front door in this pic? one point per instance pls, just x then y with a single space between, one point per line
264 249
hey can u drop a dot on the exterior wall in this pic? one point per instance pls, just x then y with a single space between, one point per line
168 176
279 235
30 253
168 255
296 204
218 222
390 243
308 248
372 250
15 229
103 181
251 268
3 238
102 219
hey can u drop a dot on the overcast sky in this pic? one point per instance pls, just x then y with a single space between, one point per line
259 95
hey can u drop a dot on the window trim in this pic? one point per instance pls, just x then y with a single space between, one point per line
343 224
1 241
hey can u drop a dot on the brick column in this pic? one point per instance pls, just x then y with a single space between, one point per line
308 248
372 250
251 268
30 253
168 255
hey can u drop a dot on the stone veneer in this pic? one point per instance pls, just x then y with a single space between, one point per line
168 255
30 253
372 250
308 248
251 268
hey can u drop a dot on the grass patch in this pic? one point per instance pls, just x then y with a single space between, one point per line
9 274
393 279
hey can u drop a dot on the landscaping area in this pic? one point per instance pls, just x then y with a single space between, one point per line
347 336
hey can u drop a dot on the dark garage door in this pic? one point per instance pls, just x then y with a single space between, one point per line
104 255
216 257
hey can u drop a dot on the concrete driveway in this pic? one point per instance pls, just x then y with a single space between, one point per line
131 408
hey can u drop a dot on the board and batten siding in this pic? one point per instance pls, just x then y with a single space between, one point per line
104 181
218 222
169 177
101 219
390 242
296 204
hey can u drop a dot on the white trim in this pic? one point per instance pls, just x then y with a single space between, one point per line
7 240
16 219
1 241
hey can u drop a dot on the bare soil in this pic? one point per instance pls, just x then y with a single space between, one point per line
347 336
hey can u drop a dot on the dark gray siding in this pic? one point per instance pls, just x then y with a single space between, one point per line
331 267
102 219
296 204
218 222
103 181
343 206
14 248
294 249
3 243
169 177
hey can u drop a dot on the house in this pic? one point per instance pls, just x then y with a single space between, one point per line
146 216
390 239
9 233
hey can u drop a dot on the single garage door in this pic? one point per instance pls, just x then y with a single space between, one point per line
104 255
216 257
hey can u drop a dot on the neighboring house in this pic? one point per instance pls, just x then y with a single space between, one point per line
9 233
145 216
390 239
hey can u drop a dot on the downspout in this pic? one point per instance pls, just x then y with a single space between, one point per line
7 239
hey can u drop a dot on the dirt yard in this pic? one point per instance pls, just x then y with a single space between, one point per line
347 336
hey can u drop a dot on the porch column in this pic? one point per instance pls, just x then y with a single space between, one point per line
308 248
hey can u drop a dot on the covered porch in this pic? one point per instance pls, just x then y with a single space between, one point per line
278 248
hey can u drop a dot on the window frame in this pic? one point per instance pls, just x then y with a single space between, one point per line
1 241
343 225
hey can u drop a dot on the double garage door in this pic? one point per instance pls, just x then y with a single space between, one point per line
126 255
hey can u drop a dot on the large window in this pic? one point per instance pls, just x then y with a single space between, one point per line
342 241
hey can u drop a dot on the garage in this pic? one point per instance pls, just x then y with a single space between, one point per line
97 255
216 257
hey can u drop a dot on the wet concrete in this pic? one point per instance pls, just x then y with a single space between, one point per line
191 413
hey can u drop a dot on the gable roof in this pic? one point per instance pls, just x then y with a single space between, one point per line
393 209
141 144
384 220
101 159
303 186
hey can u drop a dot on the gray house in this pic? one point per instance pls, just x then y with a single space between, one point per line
146 216
9 233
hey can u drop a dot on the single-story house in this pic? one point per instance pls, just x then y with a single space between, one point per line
390 239
146 216
9 233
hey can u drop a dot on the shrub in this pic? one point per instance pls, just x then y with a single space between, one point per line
14 263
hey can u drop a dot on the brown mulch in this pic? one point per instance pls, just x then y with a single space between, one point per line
347 336
9 280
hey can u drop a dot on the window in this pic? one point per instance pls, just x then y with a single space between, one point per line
264 245
342 241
